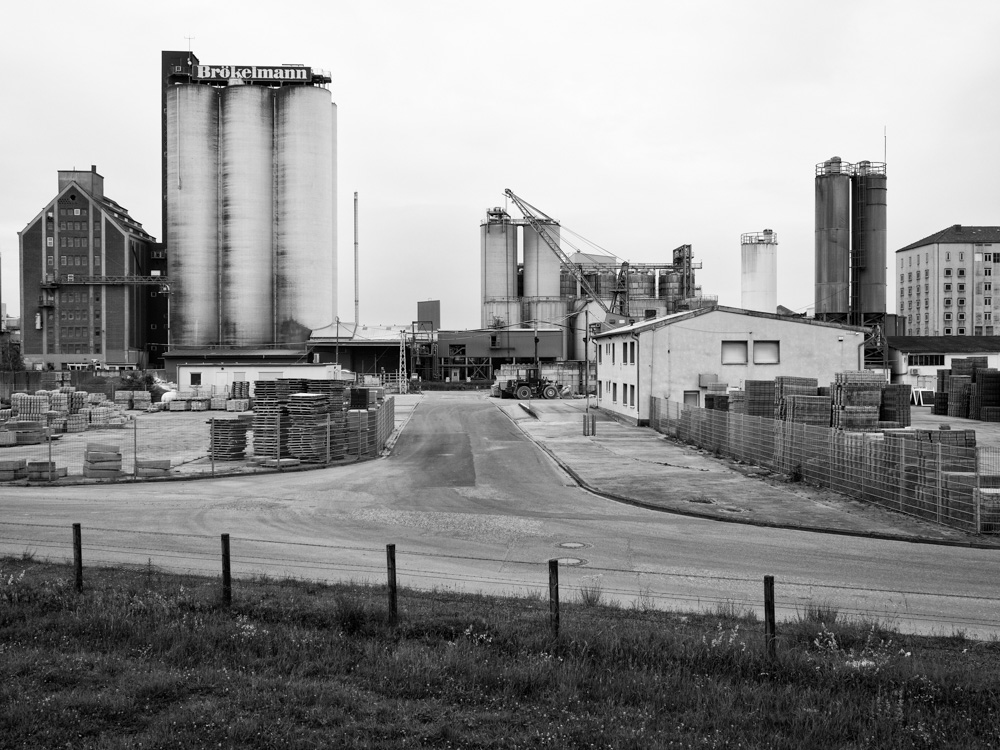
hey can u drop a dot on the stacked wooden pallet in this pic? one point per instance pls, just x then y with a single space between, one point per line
811 410
270 423
240 389
759 398
896 404
309 432
958 395
364 398
717 401
285 387
357 432
227 439
102 461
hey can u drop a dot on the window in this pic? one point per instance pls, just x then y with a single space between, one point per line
961 331
454 350
195 378
50 241
152 326
961 256
961 287
947 332
766 352
611 348
624 359
978 330
734 352
987 300
961 301
947 316
909 276
901 278
600 385
614 393
927 274
909 290
947 301
947 256
631 347
987 316
961 316
987 272
961 272
947 272
988 286
50 261
631 396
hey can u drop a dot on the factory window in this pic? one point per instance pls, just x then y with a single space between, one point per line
97 260
50 261
961 287
961 256
734 352
909 276
987 316
947 256
632 351
961 331
961 272
766 352
631 396
947 287
978 331
97 242
961 301
195 378
987 300
456 350
987 272
926 360
947 332
614 393
909 290
947 301
961 316
927 273
947 272
996 257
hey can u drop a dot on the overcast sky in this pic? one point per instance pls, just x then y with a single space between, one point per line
640 125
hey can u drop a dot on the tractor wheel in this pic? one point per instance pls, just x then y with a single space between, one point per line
523 392
550 391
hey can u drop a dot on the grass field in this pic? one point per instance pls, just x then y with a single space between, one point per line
142 659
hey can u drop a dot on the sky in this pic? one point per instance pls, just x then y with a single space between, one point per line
641 126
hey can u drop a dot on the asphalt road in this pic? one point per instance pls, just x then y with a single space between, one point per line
472 504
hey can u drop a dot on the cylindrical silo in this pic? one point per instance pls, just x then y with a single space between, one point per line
833 237
759 277
499 269
868 188
246 177
193 210
541 265
305 187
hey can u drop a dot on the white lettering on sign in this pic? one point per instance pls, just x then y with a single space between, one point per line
250 73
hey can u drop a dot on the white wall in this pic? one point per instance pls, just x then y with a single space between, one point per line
215 378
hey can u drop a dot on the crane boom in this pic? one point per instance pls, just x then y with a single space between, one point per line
531 215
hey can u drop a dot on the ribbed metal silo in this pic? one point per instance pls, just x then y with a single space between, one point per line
306 250
541 265
246 177
868 226
499 270
759 265
193 210
833 237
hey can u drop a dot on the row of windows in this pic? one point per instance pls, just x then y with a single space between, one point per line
738 352
72 212
628 392
77 332
628 352
78 226
78 297
65 241
925 360
78 315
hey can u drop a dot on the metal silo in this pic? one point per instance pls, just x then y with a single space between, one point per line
541 265
499 270
833 237
247 202
193 210
305 186
868 226
759 277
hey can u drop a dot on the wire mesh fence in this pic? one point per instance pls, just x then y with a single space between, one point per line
912 609
141 445
937 475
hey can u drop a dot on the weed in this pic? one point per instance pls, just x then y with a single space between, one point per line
795 475
591 590
27 554
822 612
733 610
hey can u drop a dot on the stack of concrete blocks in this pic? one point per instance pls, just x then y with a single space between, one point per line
13 469
102 461
123 399
141 400
152 467
217 403
44 471
238 404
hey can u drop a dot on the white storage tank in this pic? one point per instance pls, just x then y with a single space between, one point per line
306 249
193 210
541 265
499 268
759 277
247 208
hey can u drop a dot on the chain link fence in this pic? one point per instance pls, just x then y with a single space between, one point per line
937 475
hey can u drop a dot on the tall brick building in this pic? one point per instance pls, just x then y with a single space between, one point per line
89 280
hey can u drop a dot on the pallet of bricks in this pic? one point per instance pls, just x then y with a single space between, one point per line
935 474
940 406
895 408
987 394
758 434
361 421
960 386
239 396
857 400
14 469
102 461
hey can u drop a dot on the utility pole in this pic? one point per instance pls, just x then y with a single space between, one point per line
357 318
586 359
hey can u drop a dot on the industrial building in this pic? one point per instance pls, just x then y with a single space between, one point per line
91 281
917 359
249 202
946 282
528 282
677 357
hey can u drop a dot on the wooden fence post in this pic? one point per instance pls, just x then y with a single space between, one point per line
390 555
227 579
769 635
78 555
554 597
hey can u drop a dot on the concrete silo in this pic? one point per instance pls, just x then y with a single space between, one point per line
192 230
305 187
759 265
833 238
498 235
868 239
246 166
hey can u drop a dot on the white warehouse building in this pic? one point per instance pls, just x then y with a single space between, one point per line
676 357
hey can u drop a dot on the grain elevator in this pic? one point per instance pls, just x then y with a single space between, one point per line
249 202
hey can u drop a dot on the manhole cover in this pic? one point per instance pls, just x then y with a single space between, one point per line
572 545
571 561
